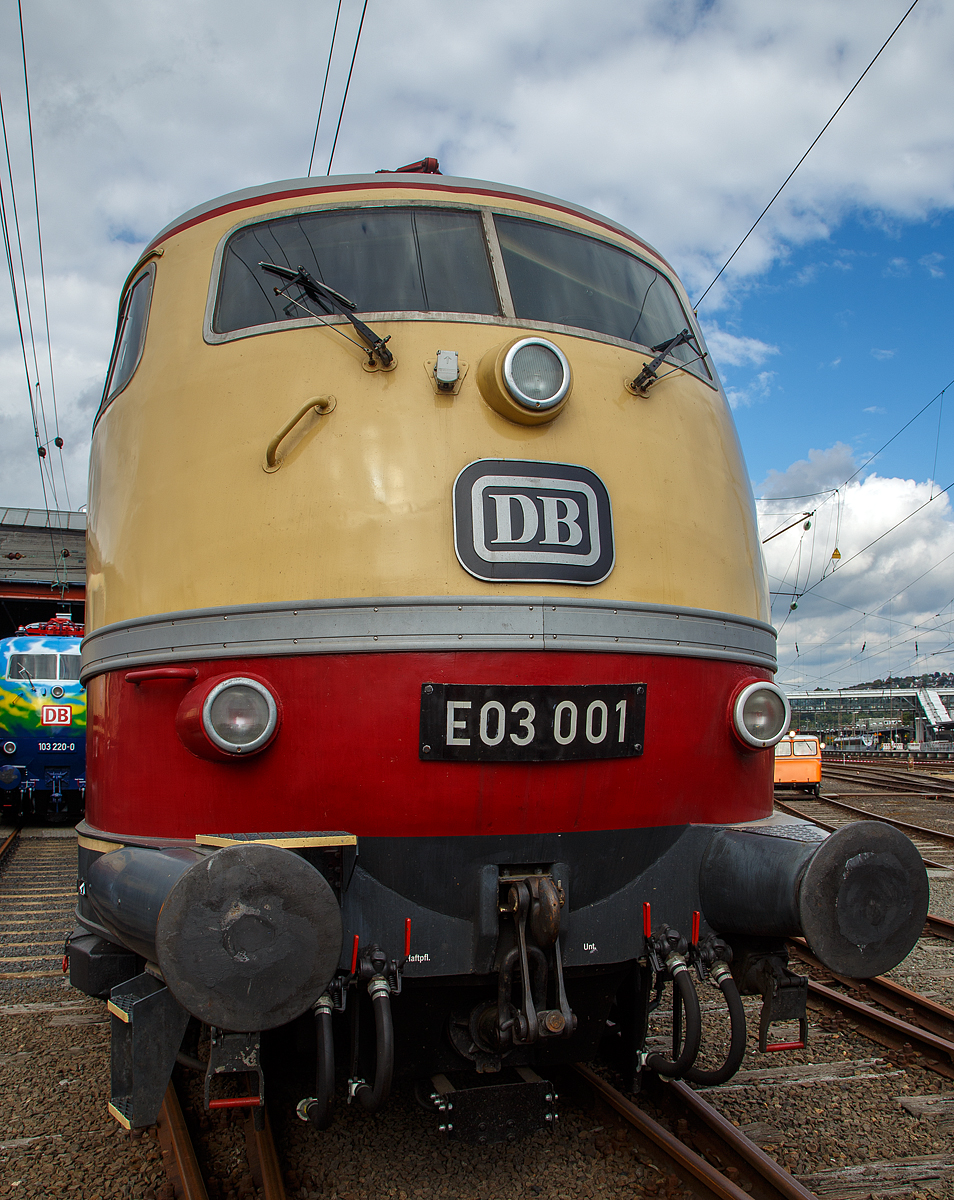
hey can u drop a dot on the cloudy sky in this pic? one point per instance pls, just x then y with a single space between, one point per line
678 118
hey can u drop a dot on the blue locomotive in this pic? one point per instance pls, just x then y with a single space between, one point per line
42 723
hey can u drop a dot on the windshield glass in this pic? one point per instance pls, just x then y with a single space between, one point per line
807 749
31 666
567 278
70 666
385 260
130 335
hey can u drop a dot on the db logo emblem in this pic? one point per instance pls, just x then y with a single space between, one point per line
56 714
532 522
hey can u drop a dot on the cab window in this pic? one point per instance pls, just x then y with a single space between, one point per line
384 260
70 666
783 749
130 334
806 749
29 667
568 278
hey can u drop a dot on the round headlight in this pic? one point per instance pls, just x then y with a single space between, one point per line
239 715
536 373
9 747
56 692
761 715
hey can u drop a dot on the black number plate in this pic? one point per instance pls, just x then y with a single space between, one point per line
463 722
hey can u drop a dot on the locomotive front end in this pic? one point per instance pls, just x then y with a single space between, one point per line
429 635
42 723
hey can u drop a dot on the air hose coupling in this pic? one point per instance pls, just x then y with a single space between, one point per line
324 1004
377 986
676 964
719 971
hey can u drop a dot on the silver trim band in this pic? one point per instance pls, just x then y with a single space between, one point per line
415 623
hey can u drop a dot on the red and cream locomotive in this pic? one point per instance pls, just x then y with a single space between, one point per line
428 658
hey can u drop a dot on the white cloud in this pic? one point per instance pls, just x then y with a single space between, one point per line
897 267
883 355
758 389
728 349
875 408
820 472
890 592
141 111
932 264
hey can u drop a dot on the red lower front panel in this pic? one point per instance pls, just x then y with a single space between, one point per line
346 756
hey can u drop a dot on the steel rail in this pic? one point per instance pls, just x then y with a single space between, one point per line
907 826
9 842
904 782
928 862
765 1168
769 1179
182 1160
889 1030
928 1014
261 1146
939 927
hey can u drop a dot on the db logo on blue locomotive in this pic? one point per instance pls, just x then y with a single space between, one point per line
532 522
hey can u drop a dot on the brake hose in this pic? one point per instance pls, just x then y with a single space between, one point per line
723 977
372 1097
684 993
317 1110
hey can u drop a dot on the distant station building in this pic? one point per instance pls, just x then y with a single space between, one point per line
42 566
877 718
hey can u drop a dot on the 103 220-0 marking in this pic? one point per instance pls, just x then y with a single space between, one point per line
531 723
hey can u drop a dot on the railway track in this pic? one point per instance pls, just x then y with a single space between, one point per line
710 1155
896 1017
935 846
181 1161
37 895
899 779
712 1158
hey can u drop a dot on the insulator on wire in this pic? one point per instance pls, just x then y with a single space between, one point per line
58 442
41 450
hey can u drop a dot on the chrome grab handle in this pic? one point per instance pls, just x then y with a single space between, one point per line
321 404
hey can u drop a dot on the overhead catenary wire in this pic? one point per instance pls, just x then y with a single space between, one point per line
873 542
805 155
25 288
324 88
4 229
344 98
43 464
871 457
39 240
873 613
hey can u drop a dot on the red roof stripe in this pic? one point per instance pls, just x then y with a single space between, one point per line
252 201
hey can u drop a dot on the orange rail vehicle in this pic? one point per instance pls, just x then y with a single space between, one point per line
798 762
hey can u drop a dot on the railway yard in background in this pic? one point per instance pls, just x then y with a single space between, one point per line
867 1109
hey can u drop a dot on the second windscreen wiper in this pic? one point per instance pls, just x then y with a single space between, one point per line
333 301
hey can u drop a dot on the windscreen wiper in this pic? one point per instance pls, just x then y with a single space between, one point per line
647 376
332 301
25 674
